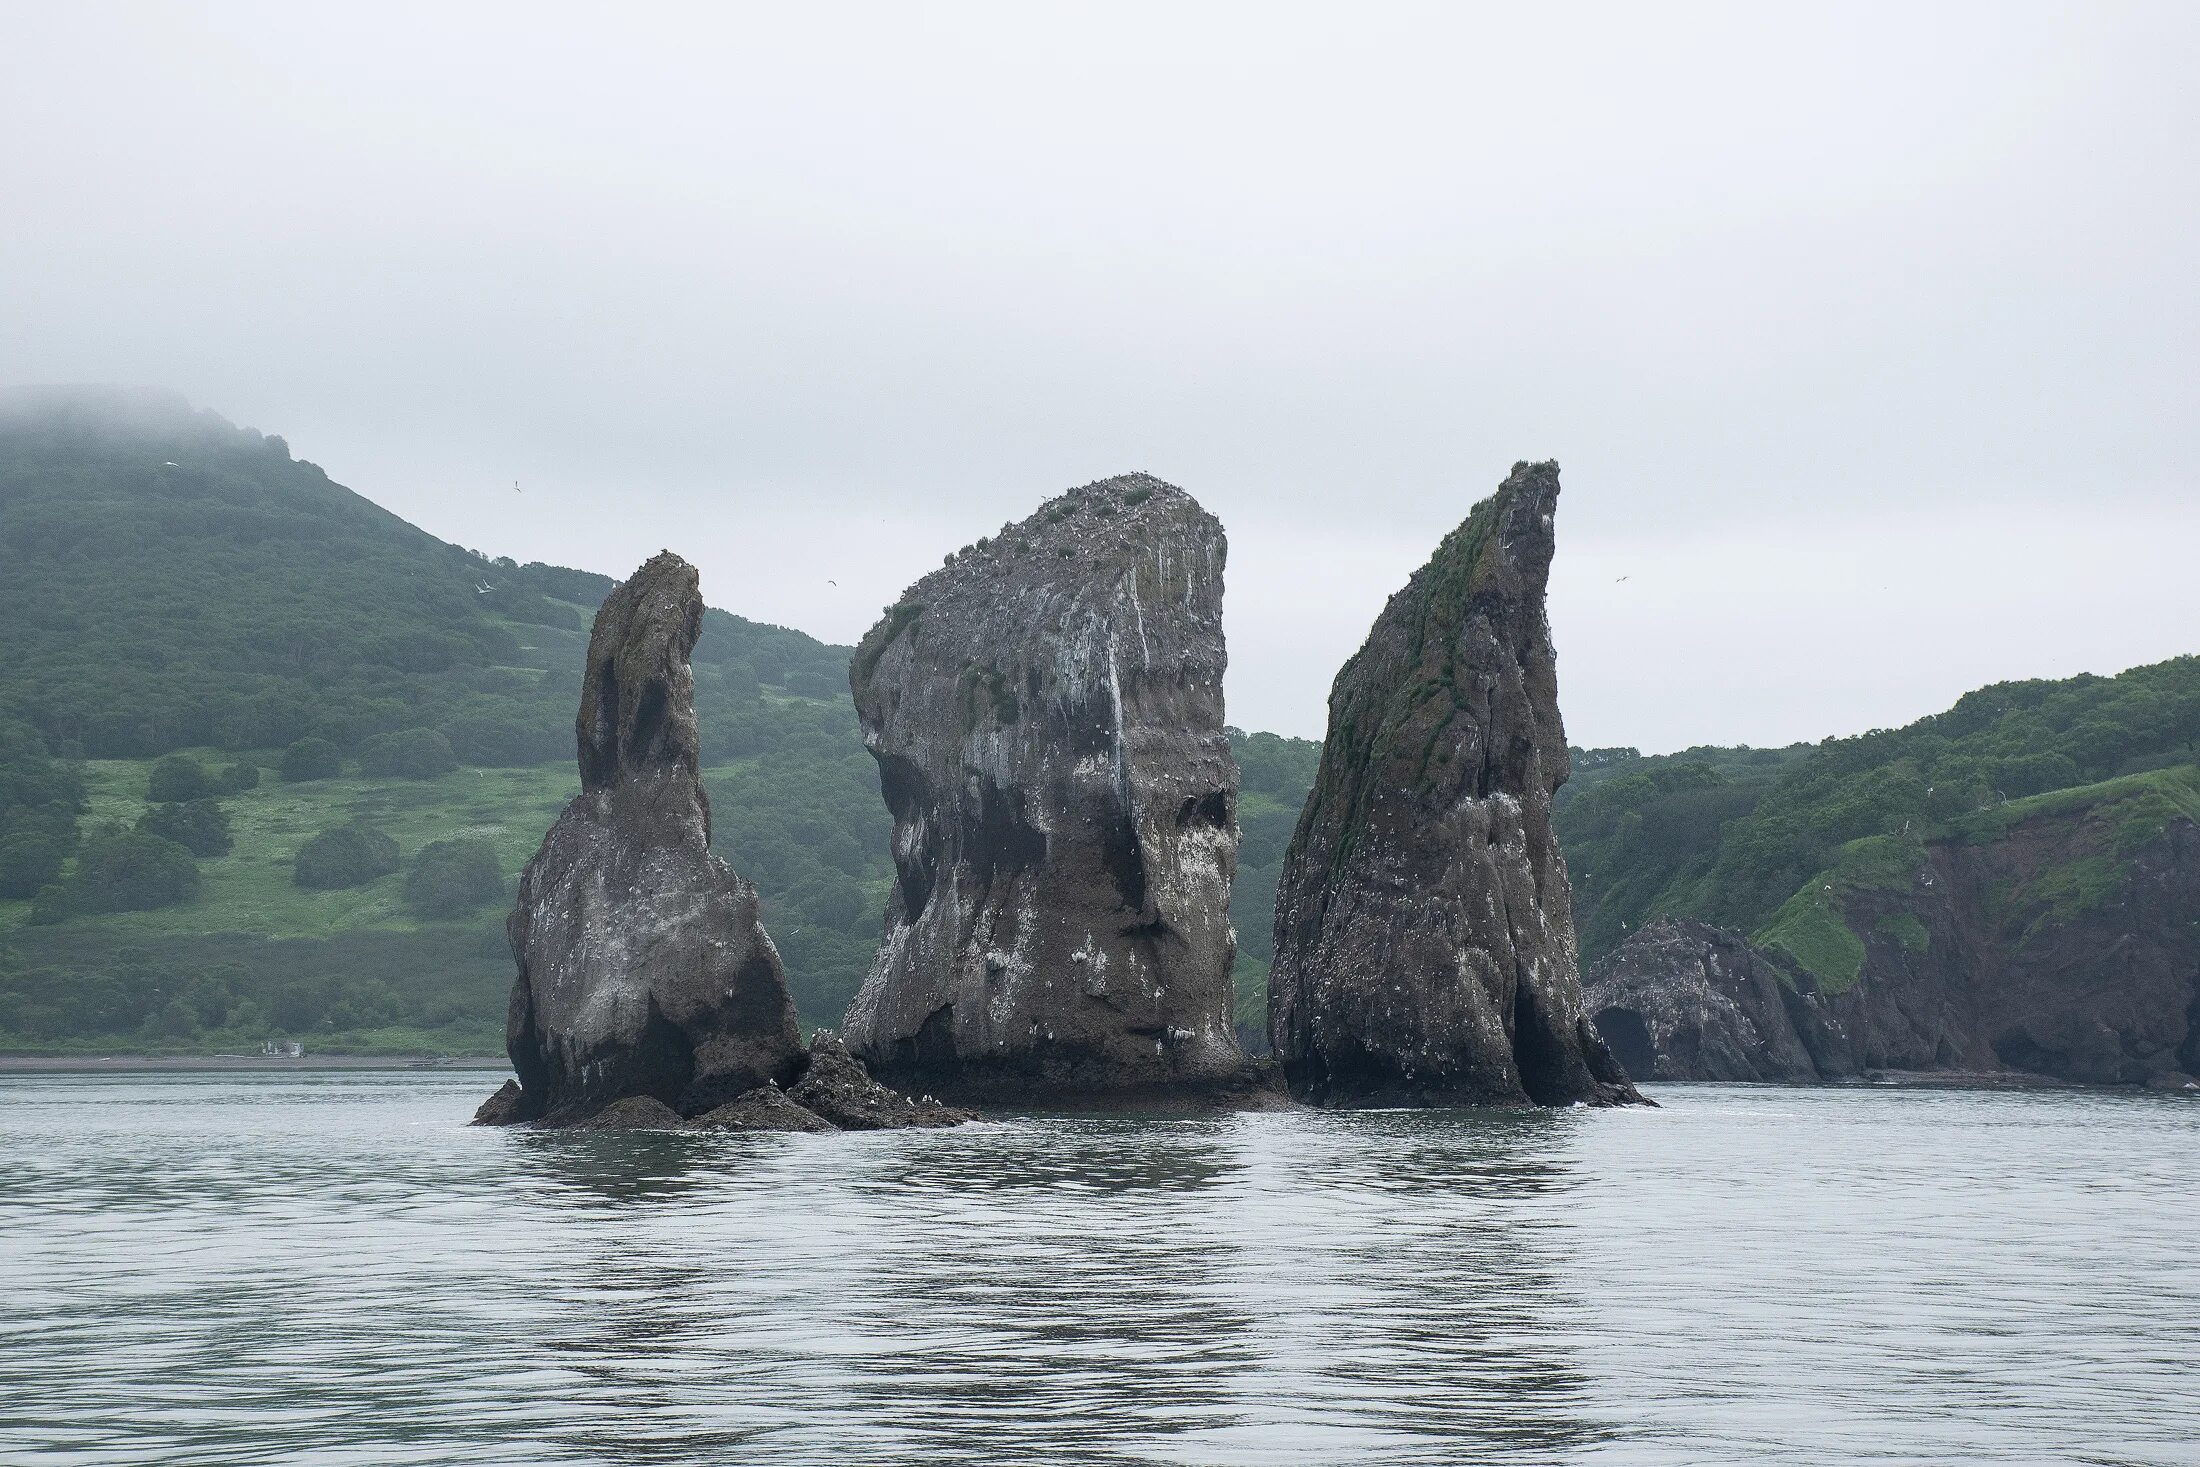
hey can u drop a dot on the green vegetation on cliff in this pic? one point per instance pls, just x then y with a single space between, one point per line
1812 926
1743 838
1274 774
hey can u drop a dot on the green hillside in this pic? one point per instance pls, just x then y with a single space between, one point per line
1274 775
200 617
173 584
1731 835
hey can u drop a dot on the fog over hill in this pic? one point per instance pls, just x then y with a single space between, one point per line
1866 335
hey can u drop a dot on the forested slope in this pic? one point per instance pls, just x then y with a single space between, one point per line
364 732
1733 836
216 654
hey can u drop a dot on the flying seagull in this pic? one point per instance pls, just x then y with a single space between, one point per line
516 489
1622 578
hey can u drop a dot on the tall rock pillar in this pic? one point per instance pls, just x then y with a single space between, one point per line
643 968
1425 948
1046 712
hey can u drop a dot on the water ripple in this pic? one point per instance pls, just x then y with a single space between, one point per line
332 1269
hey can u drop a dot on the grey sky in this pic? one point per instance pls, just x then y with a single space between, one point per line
1867 336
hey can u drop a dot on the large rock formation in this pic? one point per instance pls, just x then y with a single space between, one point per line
2060 938
1046 712
643 970
1682 1000
1424 928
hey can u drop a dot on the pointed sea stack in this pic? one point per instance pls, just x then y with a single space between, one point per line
1046 712
1424 927
643 970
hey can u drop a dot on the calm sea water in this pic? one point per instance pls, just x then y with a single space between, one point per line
331 1268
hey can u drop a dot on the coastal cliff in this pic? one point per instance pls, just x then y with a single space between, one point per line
1424 943
2057 936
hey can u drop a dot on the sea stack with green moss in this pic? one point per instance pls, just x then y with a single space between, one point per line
1046 712
1425 947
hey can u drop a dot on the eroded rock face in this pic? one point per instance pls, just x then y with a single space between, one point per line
643 969
838 1088
1424 927
501 1109
1981 955
1683 1000
766 1108
1046 712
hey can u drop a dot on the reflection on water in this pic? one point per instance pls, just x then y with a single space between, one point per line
333 1268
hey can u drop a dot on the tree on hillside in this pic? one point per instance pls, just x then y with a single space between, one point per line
311 758
413 753
177 778
509 742
199 826
128 871
344 856
29 861
450 878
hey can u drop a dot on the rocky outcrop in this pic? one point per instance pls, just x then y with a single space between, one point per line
2058 939
631 1113
838 1088
649 995
1046 712
643 968
506 1107
1683 1000
766 1108
1424 947
835 1093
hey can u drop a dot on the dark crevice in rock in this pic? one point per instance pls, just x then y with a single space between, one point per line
1545 1059
1126 866
1629 1036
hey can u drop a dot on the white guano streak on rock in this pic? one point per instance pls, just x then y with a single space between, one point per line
1130 589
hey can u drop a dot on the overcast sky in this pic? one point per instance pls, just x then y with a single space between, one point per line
1867 337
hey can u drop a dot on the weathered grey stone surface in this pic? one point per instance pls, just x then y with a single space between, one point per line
502 1108
629 1113
1046 712
1683 1000
837 1087
1976 962
643 970
1425 947
766 1108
